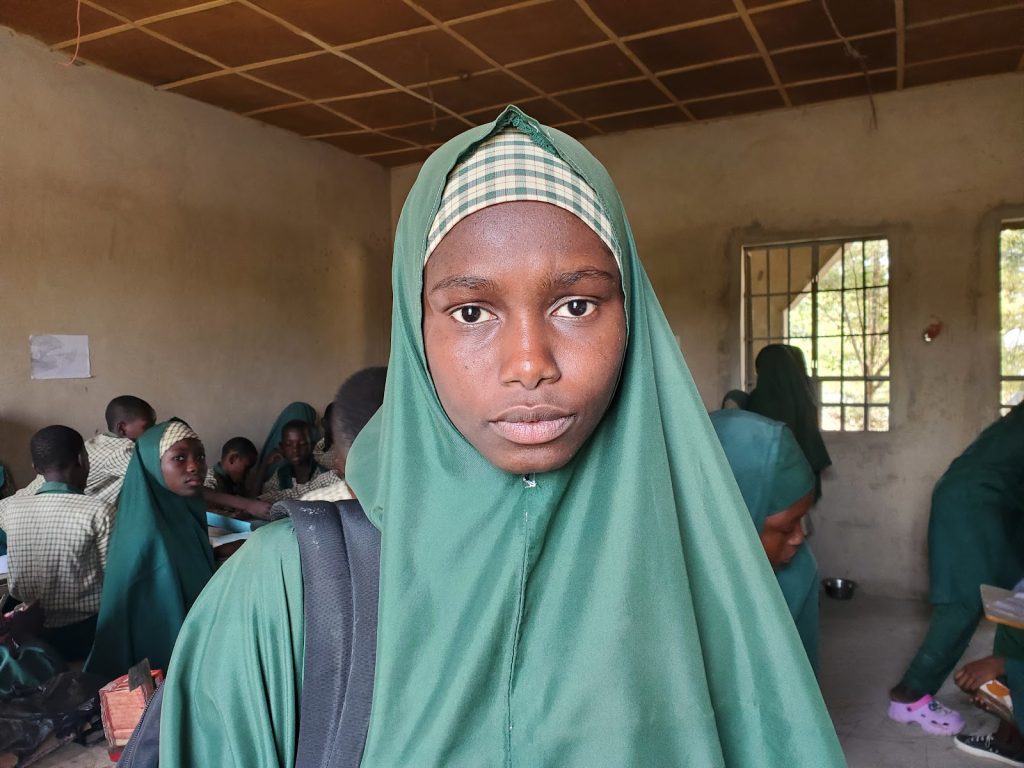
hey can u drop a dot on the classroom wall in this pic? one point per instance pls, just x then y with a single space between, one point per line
943 167
221 267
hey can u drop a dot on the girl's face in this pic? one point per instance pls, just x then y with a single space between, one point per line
184 467
783 533
525 330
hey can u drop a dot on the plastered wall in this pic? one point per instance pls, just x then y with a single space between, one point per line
221 268
943 167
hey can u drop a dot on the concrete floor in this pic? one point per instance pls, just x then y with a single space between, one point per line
866 643
864 646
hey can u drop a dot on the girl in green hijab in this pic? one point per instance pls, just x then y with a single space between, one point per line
568 576
159 557
777 485
784 393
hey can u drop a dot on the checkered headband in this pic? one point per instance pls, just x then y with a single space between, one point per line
176 430
509 167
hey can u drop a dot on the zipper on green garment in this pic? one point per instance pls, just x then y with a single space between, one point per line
529 481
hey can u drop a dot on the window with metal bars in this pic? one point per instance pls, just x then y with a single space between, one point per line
1011 315
830 298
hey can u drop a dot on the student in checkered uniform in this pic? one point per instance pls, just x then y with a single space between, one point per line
110 452
296 474
57 541
358 398
325 452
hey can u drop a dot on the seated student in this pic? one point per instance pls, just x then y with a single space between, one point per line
110 452
568 576
358 398
159 558
736 398
997 685
325 452
237 457
291 478
57 539
975 537
778 486
270 454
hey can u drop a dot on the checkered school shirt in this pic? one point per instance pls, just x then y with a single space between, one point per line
272 490
109 456
336 490
57 552
325 458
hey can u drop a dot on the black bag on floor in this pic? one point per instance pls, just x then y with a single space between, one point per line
340 554
60 706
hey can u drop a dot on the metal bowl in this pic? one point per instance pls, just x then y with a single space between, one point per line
839 589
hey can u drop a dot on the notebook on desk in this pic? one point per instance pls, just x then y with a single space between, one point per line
1003 606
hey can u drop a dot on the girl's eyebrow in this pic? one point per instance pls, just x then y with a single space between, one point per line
463 281
569 279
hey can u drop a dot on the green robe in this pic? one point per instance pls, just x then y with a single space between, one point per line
976 528
158 561
615 612
772 473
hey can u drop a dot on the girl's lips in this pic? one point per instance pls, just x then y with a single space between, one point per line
533 432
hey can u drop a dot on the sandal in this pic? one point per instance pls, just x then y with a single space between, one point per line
994 697
933 717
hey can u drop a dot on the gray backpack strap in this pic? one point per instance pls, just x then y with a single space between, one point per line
339 550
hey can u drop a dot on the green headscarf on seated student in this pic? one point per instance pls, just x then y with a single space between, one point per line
784 393
297 411
158 561
615 611
976 527
772 474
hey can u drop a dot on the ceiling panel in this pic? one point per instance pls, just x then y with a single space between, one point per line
526 33
614 98
425 68
346 21
477 91
420 58
999 29
736 105
832 60
53 21
233 92
628 18
845 88
696 45
233 34
322 76
307 120
791 25
386 109
142 56
402 157
731 77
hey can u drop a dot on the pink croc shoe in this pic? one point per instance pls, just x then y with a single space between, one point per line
933 717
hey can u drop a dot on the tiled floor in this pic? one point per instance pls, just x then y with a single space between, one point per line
865 644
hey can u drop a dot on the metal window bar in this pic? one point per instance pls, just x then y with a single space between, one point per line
847 330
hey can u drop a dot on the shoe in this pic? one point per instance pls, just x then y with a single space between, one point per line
933 717
996 699
985 746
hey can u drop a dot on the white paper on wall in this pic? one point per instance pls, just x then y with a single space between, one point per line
59 357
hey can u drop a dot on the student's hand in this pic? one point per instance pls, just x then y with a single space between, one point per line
275 456
258 509
972 676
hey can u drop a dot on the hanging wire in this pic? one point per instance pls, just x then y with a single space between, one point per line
858 57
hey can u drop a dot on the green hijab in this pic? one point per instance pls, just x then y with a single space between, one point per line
297 411
158 561
772 474
784 393
614 612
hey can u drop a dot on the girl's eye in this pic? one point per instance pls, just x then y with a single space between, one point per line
576 308
471 315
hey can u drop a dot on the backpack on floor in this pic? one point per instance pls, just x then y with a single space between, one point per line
340 554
